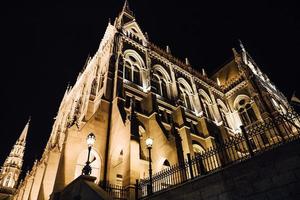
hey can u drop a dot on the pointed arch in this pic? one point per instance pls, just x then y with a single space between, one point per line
186 93
166 163
197 148
224 111
243 104
162 71
205 95
238 99
133 65
206 104
137 59
161 81
222 105
186 85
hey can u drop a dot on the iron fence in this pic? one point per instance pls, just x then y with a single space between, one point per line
253 140
115 191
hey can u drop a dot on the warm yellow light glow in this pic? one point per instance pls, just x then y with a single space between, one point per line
90 140
149 142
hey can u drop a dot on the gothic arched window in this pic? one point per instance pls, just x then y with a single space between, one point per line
246 112
197 148
223 109
206 104
186 94
161 81
223 116
133 64
9 181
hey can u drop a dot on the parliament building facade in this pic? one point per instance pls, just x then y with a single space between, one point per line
131 90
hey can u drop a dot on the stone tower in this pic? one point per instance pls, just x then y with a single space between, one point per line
12 166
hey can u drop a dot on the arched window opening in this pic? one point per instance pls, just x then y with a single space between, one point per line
9 181
161 81
185 98
223 115
166 163
246 112
133 64
94 87
136 75
156 84
206 108
198 149
164 90
206 104
128 71
186 94
101 82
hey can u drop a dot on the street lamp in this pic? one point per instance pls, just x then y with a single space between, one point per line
90 140
149 143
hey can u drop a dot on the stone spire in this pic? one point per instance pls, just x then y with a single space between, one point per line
244 52
242 46
22 138
126 7
168 50
11 168
125 16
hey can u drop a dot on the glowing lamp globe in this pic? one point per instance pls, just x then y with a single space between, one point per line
149 142
90 140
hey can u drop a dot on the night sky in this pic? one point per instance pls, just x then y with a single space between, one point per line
44 47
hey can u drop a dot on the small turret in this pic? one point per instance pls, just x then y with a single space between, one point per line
168 50
204 72
187 62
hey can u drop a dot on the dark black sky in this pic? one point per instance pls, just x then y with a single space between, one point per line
44 46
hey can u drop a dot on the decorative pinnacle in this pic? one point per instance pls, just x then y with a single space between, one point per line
242 46
187 62
204 72
126 6
168 50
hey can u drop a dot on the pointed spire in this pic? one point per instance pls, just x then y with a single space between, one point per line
203 72
22 138
294 99
242 46
244 52
11 168
187 62
168 50
126 6
218 81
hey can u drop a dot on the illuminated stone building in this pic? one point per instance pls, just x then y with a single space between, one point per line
131 90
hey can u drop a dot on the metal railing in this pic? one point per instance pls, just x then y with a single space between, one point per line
253 140
114 191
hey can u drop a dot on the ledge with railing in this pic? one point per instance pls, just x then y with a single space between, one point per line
254 140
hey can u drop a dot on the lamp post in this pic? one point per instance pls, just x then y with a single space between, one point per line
90 140
149 143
